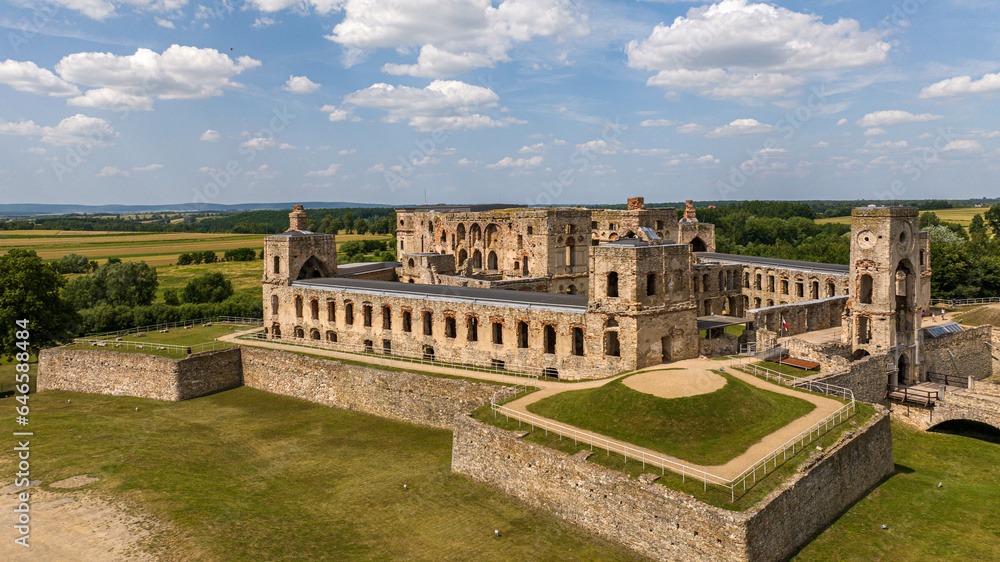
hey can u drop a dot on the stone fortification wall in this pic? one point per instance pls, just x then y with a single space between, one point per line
970 355
830 356
402 396
799 317
987 388
957 405
669 525
139 375
995 340
649 518
802 507
868 378
727 344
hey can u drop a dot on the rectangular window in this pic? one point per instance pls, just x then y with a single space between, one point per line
349 313
449 326
798 289
522 335
407 321
367 312
386 318
473 325
428 328
770 283
784 286
578 341
387 347
331 311
498 333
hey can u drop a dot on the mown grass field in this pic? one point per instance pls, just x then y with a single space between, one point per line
707 429
246 475
958 521
962 216
153 248
245 276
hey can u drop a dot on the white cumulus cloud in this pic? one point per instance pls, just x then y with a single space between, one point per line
508 162
963 146
76 130
300 85
444 104
738 49
740 127
894 117
658 123
962 85
148 168
329 171
210 135
112 171
454 36
26 76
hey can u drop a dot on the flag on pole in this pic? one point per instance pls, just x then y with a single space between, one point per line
783 325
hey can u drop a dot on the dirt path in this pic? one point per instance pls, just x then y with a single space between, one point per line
73 525
824 407
676 384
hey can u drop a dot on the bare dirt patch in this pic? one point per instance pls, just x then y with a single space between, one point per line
76 526
676 384
74 481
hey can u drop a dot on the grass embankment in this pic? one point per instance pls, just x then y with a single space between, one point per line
711 495
708 429
786 370
958 521
989 314
246 475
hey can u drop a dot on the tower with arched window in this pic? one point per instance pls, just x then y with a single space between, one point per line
882 315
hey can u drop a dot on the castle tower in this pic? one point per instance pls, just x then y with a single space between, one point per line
641 303
882 315
690 231
292 255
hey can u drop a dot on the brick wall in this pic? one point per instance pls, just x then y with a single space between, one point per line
402 396
139 375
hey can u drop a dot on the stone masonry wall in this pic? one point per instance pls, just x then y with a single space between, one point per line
669 525
401 396
802 507
972 355
139 375
830 356
868 378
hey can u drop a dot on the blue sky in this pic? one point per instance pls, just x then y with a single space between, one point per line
520 101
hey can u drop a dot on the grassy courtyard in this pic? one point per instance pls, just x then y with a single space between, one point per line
706 429
246 475
177 336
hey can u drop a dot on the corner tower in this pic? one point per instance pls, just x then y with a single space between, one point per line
294 254
882 315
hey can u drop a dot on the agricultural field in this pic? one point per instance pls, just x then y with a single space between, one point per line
153 248
962 216
244 275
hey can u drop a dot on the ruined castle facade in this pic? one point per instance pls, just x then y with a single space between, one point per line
581 293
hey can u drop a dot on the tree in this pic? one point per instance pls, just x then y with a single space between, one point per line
992 218
170 297
208 256
185 259
209 287
116 284
29 290
977 230
73 263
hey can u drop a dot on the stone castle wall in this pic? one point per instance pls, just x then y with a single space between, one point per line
669 525
972 356
957 405
830 356
401 396
868 378
139 375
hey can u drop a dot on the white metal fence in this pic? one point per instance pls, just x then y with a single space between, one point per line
151 347
373 353
748 478
964 302
178 324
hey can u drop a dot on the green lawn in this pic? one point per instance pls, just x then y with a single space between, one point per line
958 521
246 475
8 374
191 336
245 276
787 370
707 429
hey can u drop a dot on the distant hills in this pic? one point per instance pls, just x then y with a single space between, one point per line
31 209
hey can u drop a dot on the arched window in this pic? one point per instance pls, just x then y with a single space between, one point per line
314 334
491 261
477 259
298 306
331 336
462 256
299 332
314 309
612 290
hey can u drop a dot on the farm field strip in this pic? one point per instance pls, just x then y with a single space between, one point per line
64 241
962 216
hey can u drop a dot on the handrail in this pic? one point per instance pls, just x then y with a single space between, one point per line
797 442
963 302
179 323
146 347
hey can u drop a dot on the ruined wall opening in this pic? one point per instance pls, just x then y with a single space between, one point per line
313 268
491 261
331 336
864 329
477 259
902 370
462 256
612 286
578 342
472 328
814 290
331 311
299 332
498 333
865 289
387 347
274 304
407 321
831 289
314 334
277 265
698 245
522 334
666 349
449 327
549 339
366 313
314 309
650 284
386 317
428 353
349 313
298 306
428 325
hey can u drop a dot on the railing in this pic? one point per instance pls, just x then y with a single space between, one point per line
366 353
947 379
909 394
964 302
178 324
152 347
749 476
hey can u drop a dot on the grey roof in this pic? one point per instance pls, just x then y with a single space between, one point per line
348 269
816 267
709 322
298 233
649 233
626 242
441 208
492 297
942 329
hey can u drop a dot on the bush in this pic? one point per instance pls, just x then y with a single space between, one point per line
170 297
209 287
73 263
240 254
114 283
208 256
185 259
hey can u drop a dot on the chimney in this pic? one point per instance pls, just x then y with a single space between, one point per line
297 218
636 203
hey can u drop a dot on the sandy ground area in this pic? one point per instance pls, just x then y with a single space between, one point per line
676 384
73 525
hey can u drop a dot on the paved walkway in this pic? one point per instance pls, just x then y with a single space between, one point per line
824 406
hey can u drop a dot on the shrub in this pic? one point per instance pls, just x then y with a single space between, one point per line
240 254
209 287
